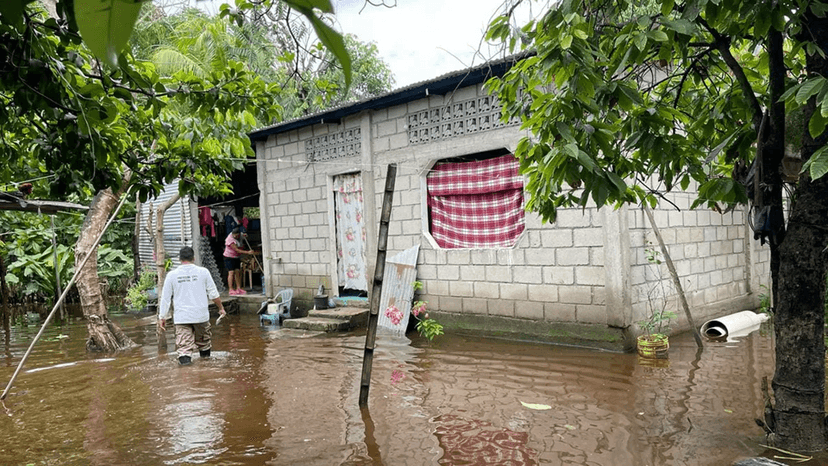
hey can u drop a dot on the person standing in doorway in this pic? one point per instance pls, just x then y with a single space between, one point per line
232 262
189 287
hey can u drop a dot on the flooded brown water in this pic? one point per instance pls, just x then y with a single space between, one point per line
266 397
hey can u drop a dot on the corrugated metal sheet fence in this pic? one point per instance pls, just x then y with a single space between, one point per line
398 289
178 226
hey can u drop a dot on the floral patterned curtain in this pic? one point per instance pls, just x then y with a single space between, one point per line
350 232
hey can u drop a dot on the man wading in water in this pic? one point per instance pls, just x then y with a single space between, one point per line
190 287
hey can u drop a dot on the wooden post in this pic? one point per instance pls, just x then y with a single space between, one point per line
160 333
136 247
673 275
160 251
5 289
57 269
376 290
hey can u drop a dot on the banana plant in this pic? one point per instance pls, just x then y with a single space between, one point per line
34 274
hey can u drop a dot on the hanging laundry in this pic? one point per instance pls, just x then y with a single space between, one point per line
230 222
205 220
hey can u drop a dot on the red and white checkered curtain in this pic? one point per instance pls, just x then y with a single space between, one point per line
476 204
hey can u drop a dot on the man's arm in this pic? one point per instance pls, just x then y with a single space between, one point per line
212 291
164 304
220 306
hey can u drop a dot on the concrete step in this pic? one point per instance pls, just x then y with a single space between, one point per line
358 316
340 319
246 303
352 301
317 324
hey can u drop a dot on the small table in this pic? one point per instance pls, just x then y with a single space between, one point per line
249 266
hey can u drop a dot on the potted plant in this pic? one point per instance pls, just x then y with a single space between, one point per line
142 293
426 326
654 342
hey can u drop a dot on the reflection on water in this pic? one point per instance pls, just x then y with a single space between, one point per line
268 396
477 443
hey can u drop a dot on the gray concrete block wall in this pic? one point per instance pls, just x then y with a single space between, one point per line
543 277
708 251
519 282
554 273
299 240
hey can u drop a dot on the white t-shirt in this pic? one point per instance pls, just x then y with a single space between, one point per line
190 287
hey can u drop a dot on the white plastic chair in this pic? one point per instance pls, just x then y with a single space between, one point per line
283 299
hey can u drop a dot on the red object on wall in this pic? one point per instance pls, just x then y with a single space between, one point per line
476 204
205 220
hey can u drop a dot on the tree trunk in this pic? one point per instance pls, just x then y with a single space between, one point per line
773 153
798 418
104 335
160 250
160 255
799 381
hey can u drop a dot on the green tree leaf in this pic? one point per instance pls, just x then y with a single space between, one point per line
307 5
12 10
106 25
817 165
816 125
809 88
667 7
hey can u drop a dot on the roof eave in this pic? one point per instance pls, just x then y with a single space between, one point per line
438 86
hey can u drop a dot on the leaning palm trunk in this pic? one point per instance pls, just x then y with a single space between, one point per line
160 250
104 335
160 254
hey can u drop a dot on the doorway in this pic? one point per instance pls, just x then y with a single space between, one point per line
350 235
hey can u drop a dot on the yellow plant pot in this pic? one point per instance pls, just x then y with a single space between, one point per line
654 346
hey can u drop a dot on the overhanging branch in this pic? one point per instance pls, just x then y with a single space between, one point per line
722 44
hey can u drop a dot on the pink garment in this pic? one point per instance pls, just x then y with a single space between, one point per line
205 219
228 249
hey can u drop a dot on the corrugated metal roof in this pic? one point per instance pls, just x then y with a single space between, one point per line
441 85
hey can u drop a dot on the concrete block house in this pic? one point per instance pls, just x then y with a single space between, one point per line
485 263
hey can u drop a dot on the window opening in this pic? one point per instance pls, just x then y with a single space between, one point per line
476 201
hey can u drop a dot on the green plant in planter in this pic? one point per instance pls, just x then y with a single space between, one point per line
429 328
764 301
657 325
137 295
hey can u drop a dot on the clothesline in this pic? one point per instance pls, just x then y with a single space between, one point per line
229 201
17 183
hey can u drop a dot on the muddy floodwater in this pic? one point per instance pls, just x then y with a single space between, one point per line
271 397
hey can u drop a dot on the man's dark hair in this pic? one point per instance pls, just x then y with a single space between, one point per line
186 254
236 230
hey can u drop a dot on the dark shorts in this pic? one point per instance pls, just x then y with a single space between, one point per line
232 263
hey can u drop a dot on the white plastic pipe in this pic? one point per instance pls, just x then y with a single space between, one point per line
738 324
